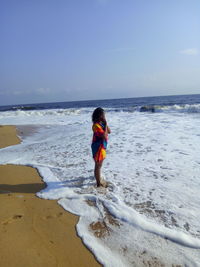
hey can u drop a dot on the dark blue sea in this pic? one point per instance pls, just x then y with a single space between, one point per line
125 104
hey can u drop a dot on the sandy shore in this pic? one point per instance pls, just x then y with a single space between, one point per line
8 136
33 231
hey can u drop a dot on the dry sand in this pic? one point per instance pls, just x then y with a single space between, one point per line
34 231
8 136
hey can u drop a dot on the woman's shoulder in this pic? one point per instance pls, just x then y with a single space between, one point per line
97 126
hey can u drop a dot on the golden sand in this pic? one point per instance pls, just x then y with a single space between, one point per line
8 136
34 231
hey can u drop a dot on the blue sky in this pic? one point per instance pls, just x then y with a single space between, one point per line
96 49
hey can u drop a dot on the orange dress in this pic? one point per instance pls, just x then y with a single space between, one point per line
99 142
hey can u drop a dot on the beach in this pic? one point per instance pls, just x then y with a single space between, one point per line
34 231
149 213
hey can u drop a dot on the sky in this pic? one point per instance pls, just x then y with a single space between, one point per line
65 50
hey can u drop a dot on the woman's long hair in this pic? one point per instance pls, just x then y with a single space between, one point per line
97 114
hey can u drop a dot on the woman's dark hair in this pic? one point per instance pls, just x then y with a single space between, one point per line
97 113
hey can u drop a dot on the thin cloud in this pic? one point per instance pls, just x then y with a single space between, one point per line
43 91
190 51
14 92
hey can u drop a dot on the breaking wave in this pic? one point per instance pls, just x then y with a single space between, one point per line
186 108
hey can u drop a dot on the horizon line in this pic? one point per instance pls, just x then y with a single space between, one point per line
96 99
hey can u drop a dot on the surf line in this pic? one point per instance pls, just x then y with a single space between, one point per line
128 215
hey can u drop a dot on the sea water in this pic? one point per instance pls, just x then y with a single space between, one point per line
149 215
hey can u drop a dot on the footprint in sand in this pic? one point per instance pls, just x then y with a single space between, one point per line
18 216
48 217
53 216
12 219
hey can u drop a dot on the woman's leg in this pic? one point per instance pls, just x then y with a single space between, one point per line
97 172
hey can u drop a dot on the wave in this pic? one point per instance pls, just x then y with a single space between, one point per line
32 111
46 112
24 108
186 108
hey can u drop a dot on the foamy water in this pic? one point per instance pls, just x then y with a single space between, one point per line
149 214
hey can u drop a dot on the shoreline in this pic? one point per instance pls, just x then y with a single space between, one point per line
35 231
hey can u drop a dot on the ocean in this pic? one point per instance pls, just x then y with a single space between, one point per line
149 215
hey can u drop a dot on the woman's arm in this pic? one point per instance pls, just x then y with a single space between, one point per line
108 130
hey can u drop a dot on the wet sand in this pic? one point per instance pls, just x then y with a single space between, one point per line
34 231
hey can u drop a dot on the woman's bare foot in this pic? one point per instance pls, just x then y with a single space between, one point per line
103 182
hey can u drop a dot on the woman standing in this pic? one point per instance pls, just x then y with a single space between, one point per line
99 142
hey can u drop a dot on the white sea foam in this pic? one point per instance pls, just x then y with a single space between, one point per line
186 108
20 115
150 211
